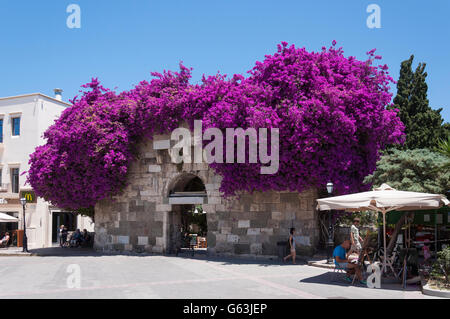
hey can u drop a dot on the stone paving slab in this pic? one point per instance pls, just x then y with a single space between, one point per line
233 264
179 278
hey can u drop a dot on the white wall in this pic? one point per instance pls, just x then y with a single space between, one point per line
37 112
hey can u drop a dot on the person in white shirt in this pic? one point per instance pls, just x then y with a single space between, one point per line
355 237
5 240
60 235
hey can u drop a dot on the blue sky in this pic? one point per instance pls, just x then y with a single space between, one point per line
121 42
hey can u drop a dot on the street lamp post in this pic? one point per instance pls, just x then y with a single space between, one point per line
330 242
23 201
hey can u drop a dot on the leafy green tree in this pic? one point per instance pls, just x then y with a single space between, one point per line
444 148
423 125
418 170
446 128
441 268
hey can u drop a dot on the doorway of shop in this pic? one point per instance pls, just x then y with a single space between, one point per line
62 218
193 229
188 225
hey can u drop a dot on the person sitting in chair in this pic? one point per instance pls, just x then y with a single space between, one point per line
85 238
75 240
340 257
5 240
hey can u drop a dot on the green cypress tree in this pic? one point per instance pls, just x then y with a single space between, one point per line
414 166
423 125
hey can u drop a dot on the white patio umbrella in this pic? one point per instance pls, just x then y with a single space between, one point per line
383 199
5 218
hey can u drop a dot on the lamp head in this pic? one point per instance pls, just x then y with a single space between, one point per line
23 201
330 187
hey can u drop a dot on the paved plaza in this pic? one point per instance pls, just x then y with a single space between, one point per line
101 276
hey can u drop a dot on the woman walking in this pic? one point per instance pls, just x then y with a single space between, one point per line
291 246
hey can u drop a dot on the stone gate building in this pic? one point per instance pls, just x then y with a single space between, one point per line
146 216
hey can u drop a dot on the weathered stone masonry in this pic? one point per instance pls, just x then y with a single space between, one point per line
143 217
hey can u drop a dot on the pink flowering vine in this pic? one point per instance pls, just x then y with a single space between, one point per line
330 110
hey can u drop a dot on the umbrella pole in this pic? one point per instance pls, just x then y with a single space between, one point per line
435 234
384 241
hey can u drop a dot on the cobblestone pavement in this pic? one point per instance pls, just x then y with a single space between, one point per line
101 276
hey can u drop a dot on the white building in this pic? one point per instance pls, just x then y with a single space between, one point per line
23 121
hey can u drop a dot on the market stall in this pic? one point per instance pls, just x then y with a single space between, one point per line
429 229
384 199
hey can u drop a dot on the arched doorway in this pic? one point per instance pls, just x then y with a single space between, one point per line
188 222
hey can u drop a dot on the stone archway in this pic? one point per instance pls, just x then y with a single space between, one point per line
185 182
186 195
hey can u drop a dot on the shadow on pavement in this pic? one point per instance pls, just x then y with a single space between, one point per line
198 255
327 279
65 252
225 260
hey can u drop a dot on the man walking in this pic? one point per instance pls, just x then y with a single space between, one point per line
355 237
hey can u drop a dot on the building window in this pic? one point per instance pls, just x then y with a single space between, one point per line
16 126
15 180
1 130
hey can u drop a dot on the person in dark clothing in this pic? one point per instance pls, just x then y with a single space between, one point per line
76 239
85 238
291 246
60 235
64 234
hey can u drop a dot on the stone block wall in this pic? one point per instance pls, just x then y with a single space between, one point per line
252 224
141 219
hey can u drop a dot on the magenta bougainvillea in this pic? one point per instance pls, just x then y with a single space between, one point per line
330 110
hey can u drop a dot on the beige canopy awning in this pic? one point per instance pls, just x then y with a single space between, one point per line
383 198
5 218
